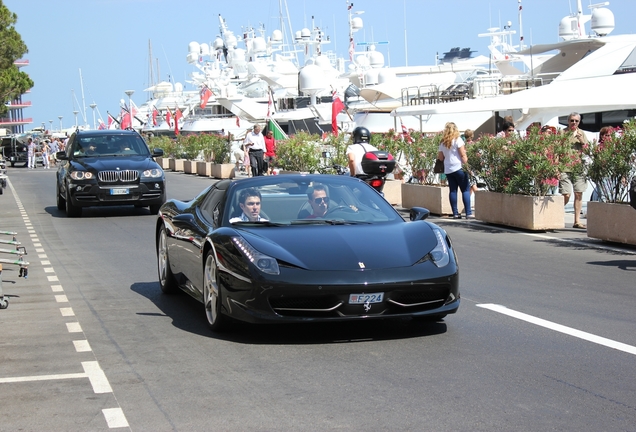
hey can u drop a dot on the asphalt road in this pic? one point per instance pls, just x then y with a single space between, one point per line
544 339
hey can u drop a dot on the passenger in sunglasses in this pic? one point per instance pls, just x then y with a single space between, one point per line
319 201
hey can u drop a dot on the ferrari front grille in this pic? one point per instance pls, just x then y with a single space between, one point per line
126 176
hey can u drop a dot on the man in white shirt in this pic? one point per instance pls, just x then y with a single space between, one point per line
255 143
360 137
250 203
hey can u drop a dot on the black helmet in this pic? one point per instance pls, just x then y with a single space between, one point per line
361 134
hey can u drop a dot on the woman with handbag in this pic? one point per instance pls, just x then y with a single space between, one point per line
453 153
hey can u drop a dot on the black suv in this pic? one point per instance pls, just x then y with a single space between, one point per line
108 168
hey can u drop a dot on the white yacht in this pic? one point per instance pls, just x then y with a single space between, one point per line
594 75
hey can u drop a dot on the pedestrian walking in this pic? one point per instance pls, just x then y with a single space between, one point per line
31 148
570 182
255 142
452 151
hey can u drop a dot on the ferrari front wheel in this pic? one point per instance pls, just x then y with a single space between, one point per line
212 297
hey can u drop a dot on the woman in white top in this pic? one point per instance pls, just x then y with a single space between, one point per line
453 153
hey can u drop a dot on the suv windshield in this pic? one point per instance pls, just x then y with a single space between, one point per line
110 145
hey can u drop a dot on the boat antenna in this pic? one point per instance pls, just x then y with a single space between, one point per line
521 44
83 100
406 46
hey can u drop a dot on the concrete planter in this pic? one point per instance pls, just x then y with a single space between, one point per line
433 198
176 164
611 222
163 162
189 167
204 168
393 192
520 211
223 171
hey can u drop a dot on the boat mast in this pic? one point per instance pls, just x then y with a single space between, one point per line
521 44
83 101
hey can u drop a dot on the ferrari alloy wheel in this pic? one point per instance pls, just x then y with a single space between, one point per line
212 293
166 278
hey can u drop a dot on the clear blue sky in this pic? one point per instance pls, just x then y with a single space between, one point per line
108 39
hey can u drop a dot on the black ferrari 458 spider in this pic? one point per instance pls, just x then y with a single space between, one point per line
302 248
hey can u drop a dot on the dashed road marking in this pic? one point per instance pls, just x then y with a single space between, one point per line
82 346
115 418
67 312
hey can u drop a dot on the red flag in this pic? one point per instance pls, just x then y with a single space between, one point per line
405 133
270 103
125 121
238 122
154 116
205 94
177 116
110 121
336 107
168 117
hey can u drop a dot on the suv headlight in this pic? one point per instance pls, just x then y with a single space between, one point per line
82 175
152 173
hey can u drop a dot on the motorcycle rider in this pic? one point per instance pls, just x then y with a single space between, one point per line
360 138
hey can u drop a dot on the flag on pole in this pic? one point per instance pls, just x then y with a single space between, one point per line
270 103
336 107
205 94
177 116
125 119
168 117
405 133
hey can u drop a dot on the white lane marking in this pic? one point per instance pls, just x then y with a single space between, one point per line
46 263
82 346
39 250
57 288
115 417
42 378
42 256
97 377
67 312
74 327
52 278
49 270
61 298
37 244
560 328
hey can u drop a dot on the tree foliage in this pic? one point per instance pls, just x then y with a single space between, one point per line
13 82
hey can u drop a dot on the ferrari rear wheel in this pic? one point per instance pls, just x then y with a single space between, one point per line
166 279
212 298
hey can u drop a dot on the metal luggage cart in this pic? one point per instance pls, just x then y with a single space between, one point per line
20 251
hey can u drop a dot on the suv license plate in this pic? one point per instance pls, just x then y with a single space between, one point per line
119 191
366 298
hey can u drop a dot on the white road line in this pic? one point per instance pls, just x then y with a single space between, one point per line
97 377
45 263
49 270
67 312
561 328
82 346
61 298
115 417
74 327
42 378
52 278
57 288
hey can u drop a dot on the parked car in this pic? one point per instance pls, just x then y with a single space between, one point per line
108 168
299 261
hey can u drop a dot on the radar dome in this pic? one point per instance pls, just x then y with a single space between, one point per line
178 87
230 41
205 49
305 33
568 28
602 21
259 45
194 47
376 59
277 36
312 79
218 43
356 23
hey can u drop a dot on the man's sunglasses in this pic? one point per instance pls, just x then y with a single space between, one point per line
321 199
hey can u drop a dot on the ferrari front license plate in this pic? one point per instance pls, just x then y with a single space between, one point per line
366 298
119 191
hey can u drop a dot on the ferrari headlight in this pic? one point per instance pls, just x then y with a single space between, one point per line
82 175
264 263
152 173
440 253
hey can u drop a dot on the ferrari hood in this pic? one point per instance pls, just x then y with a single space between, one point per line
346 247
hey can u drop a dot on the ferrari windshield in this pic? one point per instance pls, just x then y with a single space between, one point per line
306 200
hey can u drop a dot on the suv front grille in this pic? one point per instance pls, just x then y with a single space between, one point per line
113 176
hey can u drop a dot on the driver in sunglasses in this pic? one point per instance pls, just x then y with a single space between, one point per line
319 201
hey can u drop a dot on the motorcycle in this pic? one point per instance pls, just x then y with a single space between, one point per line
376 166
